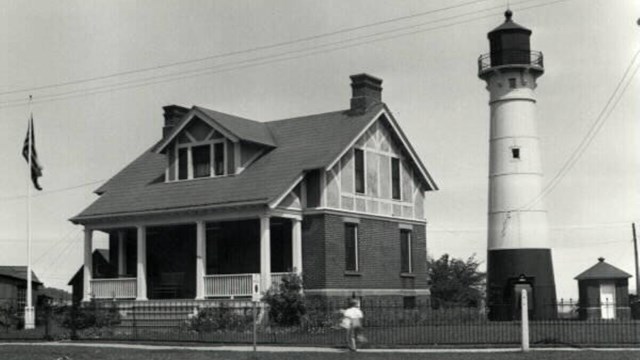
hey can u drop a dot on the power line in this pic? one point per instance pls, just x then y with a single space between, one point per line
252 62
595 128
44 193
243 51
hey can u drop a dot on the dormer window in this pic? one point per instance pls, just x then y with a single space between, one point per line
201 159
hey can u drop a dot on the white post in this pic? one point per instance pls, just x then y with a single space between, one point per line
141 276
201 258
296 246
122 260
265 253
88 264
524 307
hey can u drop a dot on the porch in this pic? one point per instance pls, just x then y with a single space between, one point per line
201 260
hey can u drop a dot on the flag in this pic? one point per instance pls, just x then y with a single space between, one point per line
36 169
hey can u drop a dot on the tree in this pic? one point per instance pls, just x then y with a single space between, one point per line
455 282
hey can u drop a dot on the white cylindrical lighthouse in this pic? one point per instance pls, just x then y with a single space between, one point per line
519 252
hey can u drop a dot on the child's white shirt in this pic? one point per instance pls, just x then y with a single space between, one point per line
353 313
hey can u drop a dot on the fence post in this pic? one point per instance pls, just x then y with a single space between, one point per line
524 309
255 325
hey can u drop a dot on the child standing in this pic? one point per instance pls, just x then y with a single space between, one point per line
352 321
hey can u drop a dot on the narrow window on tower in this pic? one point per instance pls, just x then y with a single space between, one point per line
515 153
359 169
512 83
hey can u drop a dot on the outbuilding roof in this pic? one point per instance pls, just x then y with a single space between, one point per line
18 272
602 271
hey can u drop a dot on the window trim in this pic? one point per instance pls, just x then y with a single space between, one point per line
190 169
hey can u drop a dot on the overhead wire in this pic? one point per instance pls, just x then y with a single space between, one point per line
593 131
243 51
257 61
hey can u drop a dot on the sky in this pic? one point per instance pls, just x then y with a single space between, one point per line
101 71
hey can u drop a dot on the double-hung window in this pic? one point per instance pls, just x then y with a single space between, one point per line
405 251
351 246
201 156
201 160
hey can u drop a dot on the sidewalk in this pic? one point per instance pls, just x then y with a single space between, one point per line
280 349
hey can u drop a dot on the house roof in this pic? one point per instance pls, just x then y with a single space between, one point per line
303 143
602 271
18 272
240 128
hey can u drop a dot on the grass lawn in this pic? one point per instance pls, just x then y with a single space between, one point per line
11 352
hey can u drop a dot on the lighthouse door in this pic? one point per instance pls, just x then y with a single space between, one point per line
608 300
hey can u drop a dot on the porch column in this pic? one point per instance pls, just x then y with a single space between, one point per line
296 246
265 253
141 276
88 264
201 259
122 260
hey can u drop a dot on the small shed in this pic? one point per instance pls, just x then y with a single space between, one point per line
13 285
604 292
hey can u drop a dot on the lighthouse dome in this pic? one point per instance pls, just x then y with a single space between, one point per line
509 43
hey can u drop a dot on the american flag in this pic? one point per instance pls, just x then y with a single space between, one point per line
36 169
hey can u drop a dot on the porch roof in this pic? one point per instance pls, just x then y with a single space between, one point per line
303 143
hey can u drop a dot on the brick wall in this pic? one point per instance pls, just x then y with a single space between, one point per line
313 251
379 254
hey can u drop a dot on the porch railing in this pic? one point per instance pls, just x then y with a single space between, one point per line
234 284
228 285
119 288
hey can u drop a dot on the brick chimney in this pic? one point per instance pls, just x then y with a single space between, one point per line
366 91
172 114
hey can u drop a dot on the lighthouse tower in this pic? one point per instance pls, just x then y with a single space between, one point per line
519 253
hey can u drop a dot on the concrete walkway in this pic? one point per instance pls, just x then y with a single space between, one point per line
276 349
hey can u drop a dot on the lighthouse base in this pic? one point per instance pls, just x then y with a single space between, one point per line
510 271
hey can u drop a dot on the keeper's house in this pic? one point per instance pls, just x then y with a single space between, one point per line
338 197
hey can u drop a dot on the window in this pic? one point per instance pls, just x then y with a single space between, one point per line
201 156
351 246
515 153
512 83
219 158
359 155
405 251
183 163
395 178
201 160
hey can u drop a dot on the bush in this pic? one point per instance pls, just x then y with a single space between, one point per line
9 314
220 318
286 302
91 316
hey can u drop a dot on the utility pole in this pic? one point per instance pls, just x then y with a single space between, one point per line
635 254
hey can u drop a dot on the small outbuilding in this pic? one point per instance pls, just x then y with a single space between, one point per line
604 292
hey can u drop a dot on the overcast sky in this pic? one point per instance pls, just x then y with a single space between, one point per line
425 51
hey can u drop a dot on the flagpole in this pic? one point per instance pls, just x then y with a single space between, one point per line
29 313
